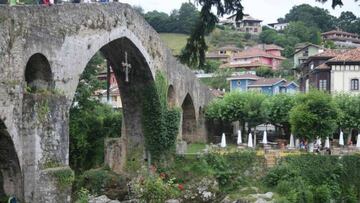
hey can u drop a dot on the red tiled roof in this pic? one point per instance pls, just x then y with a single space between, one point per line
322 67
339 32
352 55
255 52
266 82
329 53
245 65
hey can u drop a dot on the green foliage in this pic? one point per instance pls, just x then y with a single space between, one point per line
152 188
349 111
82 196
238 106
64 178
91 121
180 21
160 124
194 52
312 178
315 115
218 81
211 66
348 22
101 181
264 72
225 37
277 109
311 17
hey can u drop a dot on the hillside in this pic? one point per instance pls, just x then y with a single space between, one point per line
174 41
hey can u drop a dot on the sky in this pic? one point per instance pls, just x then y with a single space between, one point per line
267 10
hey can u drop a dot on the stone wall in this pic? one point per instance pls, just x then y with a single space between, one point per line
68 36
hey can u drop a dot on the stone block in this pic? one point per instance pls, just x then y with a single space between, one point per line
115 154
181 147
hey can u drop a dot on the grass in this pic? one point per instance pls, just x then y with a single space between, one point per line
195 148
176 42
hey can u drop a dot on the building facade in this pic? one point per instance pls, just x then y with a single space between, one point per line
278 26
303 51
248 24
341 38
263 55
269 86
333 71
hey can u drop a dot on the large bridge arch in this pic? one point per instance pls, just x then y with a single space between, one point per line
69 35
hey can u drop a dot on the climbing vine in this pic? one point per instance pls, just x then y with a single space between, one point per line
160 123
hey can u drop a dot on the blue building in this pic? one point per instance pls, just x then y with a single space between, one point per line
270 86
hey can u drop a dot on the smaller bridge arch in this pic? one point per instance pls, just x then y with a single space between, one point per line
171 96
188 119
38 74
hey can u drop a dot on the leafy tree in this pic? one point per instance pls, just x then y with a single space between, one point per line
218 81
303 32
194 52
314 115
90 121
277 109
239 106
186 18
264 72
349 114
348 22
211 66
311 17
158 20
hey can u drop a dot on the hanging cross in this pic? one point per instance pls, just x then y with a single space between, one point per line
127 67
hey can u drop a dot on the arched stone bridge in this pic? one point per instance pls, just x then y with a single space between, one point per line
49 47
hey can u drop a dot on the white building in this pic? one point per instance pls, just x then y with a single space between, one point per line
278 26
345 72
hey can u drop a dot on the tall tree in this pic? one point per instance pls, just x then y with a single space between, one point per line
311 16
194 52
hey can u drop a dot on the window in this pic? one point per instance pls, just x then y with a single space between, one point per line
306 52
354 84
255 29
322 84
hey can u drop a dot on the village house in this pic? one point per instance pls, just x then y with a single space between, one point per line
278 26
223 53
345 72
114 92
248 24
262 55
269 86
341 38
332 71
303 51
314 73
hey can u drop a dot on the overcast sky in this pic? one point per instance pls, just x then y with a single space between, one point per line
267 10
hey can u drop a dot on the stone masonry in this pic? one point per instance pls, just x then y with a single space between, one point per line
49 47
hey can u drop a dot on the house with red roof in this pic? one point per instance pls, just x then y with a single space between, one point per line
336 70
262 55
269 86
341 38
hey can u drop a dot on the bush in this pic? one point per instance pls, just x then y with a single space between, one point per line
102 182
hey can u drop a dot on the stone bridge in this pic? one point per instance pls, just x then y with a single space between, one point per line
50 47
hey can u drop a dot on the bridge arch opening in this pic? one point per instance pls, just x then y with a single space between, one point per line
133 76
188 119
38 75
10 172
171 96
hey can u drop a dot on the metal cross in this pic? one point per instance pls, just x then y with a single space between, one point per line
127 67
